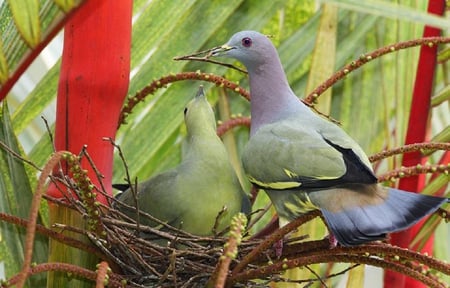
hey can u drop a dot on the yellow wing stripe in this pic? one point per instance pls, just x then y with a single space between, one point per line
290 174
326 177
275 185
286 184
302 205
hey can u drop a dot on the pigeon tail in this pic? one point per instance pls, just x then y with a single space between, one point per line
399 211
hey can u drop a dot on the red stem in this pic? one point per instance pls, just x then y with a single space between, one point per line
93 83
417 132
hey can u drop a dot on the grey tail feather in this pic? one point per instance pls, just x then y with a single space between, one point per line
399 211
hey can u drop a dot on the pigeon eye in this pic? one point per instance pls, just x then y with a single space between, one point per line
246 42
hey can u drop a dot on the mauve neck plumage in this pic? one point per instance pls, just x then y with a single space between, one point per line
271 96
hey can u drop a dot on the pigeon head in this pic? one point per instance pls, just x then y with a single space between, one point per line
251 48
272 98
198 114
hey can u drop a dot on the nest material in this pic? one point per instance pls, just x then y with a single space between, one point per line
178 259
163 256
137 260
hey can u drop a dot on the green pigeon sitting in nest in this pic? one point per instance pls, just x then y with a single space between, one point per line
203 186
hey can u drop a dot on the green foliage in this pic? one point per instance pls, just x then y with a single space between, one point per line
24 25
16 193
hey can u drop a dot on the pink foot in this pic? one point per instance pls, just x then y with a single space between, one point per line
333 241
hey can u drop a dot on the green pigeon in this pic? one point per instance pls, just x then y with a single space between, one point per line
304 162
192 195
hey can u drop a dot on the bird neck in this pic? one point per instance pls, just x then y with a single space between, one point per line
272 98
206 130
202 149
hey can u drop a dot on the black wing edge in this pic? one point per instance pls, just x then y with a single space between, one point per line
356 172
121 187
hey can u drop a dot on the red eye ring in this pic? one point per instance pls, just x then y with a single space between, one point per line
247 42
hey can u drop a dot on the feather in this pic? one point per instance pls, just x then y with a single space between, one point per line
400 210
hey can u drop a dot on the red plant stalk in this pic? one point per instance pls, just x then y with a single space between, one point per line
417 132
93 84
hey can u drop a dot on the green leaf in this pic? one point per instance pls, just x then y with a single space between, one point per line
441 247
26 16
42 150
392 10
17 194
440 97
4 71
25 26
356 277
324 57
41 96
67 5
443 136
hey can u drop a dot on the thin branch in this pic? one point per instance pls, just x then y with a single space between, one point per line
223 127
363 59
98 174
410 148
34 211
203 56
18 156
51 234
317 276
342 272
274 237
84 273
163 81
203 59
414 170
49 133
331 257
259 214
133 187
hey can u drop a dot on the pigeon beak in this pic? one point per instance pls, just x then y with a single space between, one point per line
221 50
200 92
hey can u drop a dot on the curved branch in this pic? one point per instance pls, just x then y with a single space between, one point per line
410 148
364 58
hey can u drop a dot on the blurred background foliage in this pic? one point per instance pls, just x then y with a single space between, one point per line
372 103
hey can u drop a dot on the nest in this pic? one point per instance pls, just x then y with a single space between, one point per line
143 256
164 256
168 257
